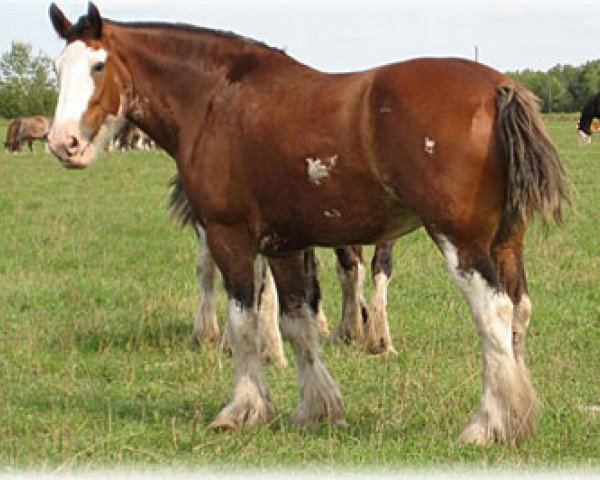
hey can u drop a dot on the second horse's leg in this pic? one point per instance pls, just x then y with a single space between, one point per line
377 332
320 397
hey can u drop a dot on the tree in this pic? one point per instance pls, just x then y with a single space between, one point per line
27 84
563 88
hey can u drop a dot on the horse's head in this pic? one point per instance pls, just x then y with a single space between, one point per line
90 83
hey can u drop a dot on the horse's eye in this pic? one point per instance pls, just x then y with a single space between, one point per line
98 67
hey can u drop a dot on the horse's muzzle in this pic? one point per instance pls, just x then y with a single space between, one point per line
69 146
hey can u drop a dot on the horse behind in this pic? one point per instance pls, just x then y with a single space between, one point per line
277 157
26 130
589 112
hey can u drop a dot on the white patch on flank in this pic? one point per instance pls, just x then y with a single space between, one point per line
332 213
319 169
385 110
429 145
75 82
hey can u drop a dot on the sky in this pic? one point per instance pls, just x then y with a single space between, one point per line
346 35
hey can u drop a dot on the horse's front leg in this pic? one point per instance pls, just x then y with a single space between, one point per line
319 395
206 326
243 272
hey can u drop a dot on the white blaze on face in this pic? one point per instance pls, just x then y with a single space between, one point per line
75 82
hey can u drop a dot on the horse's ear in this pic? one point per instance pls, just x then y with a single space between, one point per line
60 23
94 20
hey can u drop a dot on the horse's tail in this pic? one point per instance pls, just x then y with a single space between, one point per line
536 182
179 205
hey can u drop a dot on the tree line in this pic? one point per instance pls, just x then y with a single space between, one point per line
28 84
563 88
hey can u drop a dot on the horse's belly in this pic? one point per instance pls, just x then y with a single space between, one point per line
329 226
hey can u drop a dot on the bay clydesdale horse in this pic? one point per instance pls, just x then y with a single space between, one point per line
277 157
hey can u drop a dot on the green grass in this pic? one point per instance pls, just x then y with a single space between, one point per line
97 293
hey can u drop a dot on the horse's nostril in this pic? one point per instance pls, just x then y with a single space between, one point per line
73 145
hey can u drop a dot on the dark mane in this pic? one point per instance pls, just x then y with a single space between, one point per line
83 28
186 27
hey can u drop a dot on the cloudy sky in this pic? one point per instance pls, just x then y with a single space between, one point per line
342 35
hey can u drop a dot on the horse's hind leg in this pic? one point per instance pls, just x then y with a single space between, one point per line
311 268
507 413
507 253
206 327
268 322
351 273
243 273
319 395
378 339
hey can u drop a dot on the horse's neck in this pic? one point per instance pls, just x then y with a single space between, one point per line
168 91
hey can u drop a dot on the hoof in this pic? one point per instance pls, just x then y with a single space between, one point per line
304 418
321 399
224 423
385 352
194 343
234 417
509 417
278 360
345 336
475 434
203 337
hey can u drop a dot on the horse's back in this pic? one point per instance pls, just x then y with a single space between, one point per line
35 127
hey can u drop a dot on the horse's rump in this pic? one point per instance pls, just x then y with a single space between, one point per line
11 135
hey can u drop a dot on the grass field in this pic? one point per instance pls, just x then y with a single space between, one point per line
97 293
